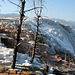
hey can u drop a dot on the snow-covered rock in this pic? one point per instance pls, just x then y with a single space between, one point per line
56 36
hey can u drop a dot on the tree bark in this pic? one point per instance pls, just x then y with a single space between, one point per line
35 40
18 35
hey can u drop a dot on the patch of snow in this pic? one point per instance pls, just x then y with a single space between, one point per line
22 59
39 72
50 74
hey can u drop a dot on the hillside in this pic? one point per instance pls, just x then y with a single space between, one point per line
9 15
55 35
54 40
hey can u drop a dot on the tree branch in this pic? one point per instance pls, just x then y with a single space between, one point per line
32 9
14 3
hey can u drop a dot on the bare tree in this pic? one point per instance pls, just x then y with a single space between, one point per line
18 34
38 15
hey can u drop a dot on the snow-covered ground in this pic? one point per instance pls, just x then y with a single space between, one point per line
22 59
5 54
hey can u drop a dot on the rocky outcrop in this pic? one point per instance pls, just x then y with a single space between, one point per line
23 47
54 37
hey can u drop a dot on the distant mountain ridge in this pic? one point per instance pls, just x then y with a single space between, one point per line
9 15
67 23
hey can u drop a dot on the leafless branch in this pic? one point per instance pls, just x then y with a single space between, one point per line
14 3
3 1
38 13
44 7
32 9
34 6
41 6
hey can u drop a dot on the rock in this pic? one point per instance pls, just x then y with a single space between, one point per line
52 58
9 43
56 72
24 47
39 72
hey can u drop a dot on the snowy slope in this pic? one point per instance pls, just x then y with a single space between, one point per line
22 59
56 36
59 37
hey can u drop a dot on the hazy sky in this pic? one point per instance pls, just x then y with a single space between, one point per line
62 9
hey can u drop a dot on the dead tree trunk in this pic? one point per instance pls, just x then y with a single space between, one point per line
18 34
35 40
38 14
